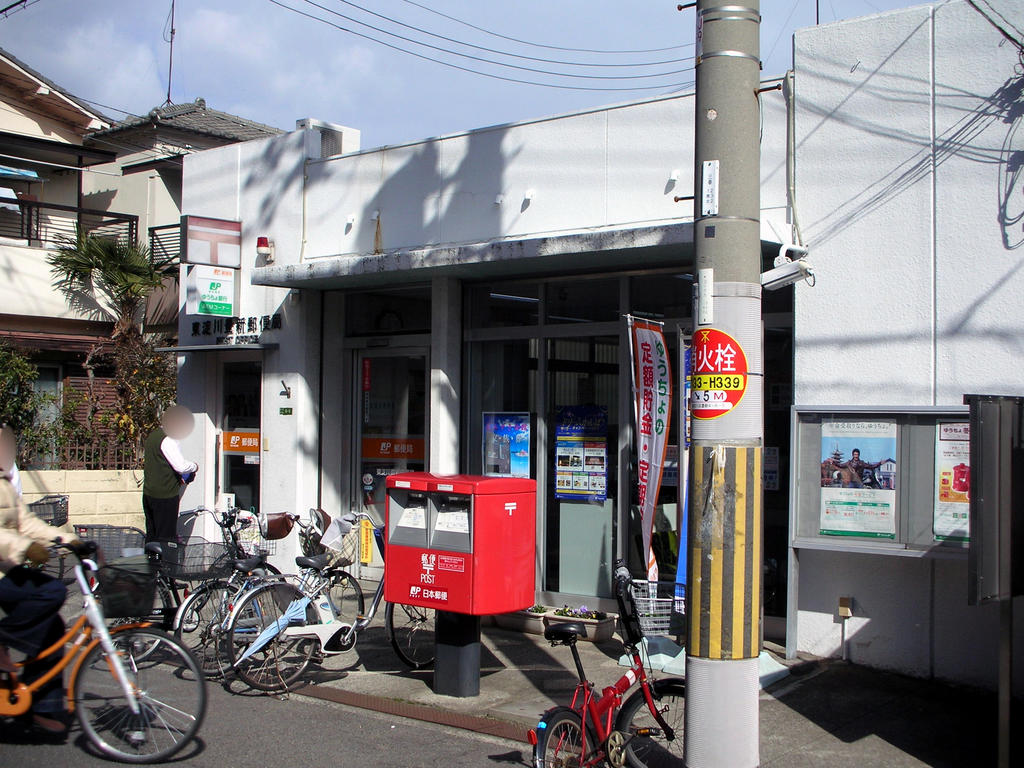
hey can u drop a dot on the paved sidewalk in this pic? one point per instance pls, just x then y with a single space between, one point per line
826 712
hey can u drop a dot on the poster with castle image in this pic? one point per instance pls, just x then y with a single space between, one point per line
858 478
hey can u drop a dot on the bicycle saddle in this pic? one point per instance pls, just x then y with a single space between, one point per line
155 548
317 562
564 633
250 563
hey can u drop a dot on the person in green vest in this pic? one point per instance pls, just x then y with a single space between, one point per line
166 472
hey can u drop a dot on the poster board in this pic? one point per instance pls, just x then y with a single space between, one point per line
891 490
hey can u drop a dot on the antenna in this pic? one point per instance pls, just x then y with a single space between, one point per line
170 56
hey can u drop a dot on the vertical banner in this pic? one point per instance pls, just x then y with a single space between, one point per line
652 390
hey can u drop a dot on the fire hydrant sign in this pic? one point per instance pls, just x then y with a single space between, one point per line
719 378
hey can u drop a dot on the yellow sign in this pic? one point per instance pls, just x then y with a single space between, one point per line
365 542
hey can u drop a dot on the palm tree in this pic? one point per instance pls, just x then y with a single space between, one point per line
103 276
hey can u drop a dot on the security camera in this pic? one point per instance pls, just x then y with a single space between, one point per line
787 270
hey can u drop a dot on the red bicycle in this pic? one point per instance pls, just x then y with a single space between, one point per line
597 727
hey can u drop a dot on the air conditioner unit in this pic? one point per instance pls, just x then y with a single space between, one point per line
327 139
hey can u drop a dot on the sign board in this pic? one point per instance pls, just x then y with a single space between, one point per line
240 443
214 242
719 378
709 188
210 291
394 448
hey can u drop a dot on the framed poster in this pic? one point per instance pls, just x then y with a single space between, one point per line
506 446
951 515
858 478
581 453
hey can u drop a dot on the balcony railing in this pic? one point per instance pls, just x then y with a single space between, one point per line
44 224
165 241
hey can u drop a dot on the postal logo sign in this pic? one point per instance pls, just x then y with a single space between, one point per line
719 378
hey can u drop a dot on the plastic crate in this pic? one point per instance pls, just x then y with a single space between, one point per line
114 540
655 612
197 560
52 509
127 587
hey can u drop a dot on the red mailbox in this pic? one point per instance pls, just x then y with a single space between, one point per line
461 543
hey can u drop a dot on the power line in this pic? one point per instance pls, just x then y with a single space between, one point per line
506 53
542 45
467 55
475 71
13 7
1018 41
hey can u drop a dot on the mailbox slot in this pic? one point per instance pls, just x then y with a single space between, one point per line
451 525
407 521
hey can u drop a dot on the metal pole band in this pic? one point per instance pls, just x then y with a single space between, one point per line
724 592
729 54
736 12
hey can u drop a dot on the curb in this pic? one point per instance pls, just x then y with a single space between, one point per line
513 730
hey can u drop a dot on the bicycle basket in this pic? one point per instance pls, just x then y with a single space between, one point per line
127 587
275 525
52 509
342 542
655 613
197 560
114 540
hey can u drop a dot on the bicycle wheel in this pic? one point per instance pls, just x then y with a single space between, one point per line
169 689
560 740
281 660
347 596
199 623
411 630
647 745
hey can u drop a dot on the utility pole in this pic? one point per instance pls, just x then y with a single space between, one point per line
725 556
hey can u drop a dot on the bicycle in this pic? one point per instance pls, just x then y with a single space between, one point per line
276 629
132 709
643 732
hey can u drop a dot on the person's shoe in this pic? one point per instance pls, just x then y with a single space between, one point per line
49 724
6 662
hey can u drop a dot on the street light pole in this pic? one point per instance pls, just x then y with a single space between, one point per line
725 556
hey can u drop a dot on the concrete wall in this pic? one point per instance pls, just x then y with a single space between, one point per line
908 129
27 288
113 497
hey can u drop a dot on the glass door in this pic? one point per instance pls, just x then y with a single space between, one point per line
392 404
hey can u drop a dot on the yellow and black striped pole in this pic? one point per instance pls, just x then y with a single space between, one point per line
724 536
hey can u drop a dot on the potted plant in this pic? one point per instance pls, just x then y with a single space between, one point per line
530 620
599 625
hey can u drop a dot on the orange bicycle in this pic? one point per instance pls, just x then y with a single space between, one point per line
138 694
597 727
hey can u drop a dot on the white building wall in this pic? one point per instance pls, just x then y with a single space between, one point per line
905 126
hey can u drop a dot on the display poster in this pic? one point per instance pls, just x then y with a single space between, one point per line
507 444
581 453
951 516
652 405
858 478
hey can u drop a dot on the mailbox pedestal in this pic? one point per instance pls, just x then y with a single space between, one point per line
463 545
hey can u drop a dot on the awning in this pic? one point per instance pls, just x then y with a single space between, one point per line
19 174
217 348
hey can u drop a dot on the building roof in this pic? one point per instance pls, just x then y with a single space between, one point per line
24 78
196 117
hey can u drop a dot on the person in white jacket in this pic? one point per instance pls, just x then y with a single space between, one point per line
29 598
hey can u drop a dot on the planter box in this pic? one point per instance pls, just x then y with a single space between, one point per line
521 621
598 630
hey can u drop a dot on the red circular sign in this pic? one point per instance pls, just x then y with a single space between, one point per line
719 377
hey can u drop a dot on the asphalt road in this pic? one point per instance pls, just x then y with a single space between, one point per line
244 729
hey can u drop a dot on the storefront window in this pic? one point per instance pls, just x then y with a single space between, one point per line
664 296
388 311
504 305
582 300
583 427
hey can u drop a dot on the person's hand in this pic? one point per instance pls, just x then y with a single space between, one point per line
37 554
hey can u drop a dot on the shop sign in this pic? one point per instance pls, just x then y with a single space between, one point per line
215 242
240 442
393 448
210 291
237 330
719 378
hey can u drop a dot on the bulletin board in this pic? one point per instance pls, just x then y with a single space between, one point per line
884 480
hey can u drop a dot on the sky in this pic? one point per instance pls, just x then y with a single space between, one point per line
262 61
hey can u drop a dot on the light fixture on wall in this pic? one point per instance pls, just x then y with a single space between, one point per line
265 248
